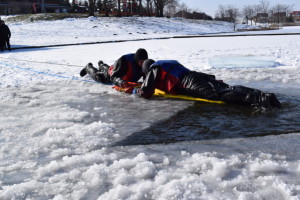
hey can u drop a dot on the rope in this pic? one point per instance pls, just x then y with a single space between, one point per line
42 62
88 43
56 75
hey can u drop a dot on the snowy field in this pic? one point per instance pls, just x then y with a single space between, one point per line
66 137
94 29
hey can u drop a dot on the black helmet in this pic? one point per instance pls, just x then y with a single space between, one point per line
146 65
140 54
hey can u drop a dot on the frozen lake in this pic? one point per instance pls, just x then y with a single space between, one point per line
66 137
240 61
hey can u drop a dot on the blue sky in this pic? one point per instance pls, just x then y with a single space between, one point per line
211 6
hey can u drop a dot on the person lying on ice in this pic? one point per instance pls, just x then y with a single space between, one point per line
173 78
127 68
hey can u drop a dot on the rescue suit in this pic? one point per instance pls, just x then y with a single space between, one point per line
172 77
124 69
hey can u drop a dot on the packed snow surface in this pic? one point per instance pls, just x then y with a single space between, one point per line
63 136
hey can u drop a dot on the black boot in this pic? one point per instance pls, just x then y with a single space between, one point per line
274 101
100 62
102 66
269 101
83 72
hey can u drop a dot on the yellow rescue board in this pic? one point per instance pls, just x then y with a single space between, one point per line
158 92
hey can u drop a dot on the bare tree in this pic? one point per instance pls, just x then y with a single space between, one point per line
140 6
172 7
92 7
99 5
119 8
149 7
263 6
280 12
233 13
182 6
107 6
160 5
263 10
221 13
249 13
183 9
228 13
256 8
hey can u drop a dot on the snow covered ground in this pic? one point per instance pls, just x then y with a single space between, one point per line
61 135
95 29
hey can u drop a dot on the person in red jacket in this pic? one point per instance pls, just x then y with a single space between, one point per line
127 68
173 78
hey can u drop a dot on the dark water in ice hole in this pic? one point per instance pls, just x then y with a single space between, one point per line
204 121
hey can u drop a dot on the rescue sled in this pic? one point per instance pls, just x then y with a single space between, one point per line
160 93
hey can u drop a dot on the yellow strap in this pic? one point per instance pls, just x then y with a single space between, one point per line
158 92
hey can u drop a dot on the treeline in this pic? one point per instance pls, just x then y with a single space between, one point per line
263 12
158 8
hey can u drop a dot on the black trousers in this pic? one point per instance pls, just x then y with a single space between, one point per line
4 43
99 75
203 85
